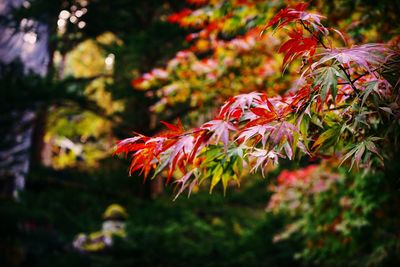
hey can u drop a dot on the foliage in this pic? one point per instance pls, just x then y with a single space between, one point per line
334 213
226 56
76 137
313 108
334 101
339 106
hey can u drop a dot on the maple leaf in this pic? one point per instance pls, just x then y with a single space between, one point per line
146 155
314 20
174 129
240 102
200 140
128 145
183 183
297 46
265 112
330 135
326 78
297 100
287 15
264 116
220 129
263 158
178 154
283 131
366 56
297 12
261 130
357 151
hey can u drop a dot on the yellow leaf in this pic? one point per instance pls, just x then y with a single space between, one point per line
217 173
325 136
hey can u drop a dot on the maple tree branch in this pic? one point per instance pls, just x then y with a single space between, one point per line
349 78
365 73
341 67
319 39
359 77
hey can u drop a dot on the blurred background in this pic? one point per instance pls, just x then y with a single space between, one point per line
76 76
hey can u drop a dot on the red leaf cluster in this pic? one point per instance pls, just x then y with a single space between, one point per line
287 15
298 45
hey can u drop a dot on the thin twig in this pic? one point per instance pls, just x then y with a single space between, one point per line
319 39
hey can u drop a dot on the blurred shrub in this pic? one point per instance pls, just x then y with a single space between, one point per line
340 218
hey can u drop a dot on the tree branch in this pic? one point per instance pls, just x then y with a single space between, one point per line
341 67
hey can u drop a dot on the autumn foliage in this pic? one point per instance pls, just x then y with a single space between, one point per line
341 105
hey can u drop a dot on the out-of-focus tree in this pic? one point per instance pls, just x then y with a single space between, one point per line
43 43
228 55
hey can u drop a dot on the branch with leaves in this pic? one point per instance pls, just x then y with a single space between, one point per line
332 110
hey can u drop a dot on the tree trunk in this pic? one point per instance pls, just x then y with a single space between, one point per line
17 124
16 128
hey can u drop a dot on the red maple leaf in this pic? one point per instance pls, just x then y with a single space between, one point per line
264 116
287 15
297 46
174 129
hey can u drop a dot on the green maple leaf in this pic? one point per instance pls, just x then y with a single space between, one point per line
326 78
